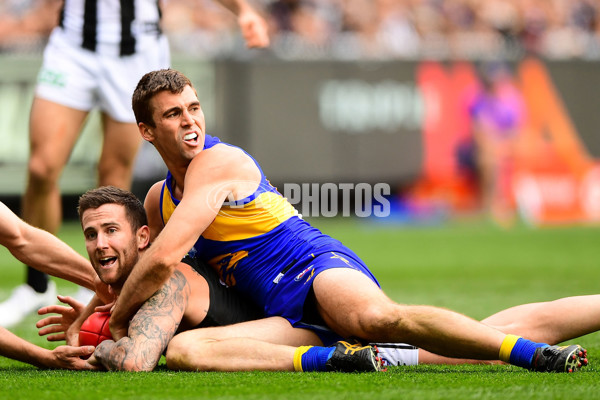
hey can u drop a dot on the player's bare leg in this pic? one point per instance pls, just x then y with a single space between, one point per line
120 146
549 322
268 344
353 306
54 129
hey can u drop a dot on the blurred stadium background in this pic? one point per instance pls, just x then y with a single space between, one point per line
363 91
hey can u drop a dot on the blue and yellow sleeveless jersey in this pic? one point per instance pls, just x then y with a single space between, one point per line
253 242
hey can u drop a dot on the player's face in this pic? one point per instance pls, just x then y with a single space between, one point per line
180 126
111 244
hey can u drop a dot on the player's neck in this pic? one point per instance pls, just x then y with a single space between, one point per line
177 186
116 290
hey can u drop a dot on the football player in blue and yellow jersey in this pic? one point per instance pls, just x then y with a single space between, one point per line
217 205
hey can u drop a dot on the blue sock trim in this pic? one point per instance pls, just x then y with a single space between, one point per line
522 353
315 358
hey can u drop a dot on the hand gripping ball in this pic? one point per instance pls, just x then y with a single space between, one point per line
94 330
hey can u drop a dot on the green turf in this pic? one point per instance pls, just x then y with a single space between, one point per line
471 267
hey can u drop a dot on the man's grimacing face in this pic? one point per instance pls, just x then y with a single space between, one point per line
180 125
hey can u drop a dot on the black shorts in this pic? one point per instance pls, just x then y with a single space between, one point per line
226 306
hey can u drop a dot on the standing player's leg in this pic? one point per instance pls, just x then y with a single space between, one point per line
120 146
54 129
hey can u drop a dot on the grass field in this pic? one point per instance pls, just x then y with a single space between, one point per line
471 267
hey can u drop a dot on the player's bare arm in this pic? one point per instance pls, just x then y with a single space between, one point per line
213 176
42 250
150 330
63 357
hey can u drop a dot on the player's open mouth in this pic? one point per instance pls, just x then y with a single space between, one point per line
191 137
107 261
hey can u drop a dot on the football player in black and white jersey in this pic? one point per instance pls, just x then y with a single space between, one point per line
94 59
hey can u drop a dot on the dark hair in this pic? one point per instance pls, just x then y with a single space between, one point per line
152 83
134 209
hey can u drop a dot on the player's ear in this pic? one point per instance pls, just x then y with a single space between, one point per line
143 237
146 132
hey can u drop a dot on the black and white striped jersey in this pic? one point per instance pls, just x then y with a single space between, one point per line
110 21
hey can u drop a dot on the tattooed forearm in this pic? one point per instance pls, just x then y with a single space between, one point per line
150 330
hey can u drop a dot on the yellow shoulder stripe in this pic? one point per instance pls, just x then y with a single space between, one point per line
257 217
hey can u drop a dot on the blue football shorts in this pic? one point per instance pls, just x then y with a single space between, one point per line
293 297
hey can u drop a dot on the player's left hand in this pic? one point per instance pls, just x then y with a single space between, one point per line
56 326
254 29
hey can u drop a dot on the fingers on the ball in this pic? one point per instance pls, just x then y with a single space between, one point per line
104 307
85 350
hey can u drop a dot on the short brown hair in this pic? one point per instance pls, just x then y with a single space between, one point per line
134 209
151 84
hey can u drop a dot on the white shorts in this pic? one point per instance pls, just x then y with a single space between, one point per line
397 353
78 78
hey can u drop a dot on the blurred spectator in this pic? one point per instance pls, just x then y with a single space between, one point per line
353 29
396 29
26 24
199 27
498 113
